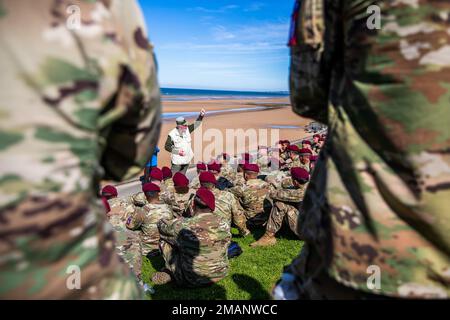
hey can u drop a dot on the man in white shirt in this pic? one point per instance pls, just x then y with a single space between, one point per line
178 143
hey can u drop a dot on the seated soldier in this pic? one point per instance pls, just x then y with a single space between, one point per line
294 153
179 199
286 207
145 219
156 177
222 182
195 248
283 155
227 171
263 159
226 204
167 179
195 184
252 196
305 155
315 144
239 177
306 144
128 243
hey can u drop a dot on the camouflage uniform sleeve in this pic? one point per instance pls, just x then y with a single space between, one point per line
169 229
287 195
309 70
135 219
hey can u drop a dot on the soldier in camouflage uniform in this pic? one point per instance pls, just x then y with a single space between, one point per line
156 176
380 193
226 204
252 196
315 144
128 243
195 248
284 156
179 200
263 159
286 207
227 171
294 153
79 102
195 183
167 179
145 219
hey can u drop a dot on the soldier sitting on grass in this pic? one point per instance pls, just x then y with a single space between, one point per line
195 248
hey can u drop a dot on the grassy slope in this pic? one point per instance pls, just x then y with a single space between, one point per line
252 275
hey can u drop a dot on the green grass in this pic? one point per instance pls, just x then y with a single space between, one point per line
252 275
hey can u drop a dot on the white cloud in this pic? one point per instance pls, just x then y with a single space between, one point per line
255 6
219 10
220 33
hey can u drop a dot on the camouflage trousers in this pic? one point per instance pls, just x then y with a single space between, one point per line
129 248
313 282
180 268
283 212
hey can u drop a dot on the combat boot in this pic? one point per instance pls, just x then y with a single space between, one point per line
268 239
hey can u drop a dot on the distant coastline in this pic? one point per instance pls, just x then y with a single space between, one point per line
177 94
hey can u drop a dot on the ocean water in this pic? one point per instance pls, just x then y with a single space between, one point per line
174 94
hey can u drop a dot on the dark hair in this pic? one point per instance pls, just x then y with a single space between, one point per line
208 185
151 194
199 203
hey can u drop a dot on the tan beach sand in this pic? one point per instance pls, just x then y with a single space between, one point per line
238 120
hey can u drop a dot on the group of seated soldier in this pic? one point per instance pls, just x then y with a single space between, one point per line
189 223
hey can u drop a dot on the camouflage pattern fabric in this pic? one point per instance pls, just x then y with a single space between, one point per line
195 183
128 243
294 163
380 192
195 249
238 180
286 207
77 104
145 220
228 172
178 202
169 186
263 163
251 196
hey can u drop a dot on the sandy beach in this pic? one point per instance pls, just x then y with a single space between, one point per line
275 115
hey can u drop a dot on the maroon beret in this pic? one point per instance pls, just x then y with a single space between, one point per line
316 136
201 166
313 158
156 174
286 141
150 187
294 148
180 180
305 151
214 166
109 190
251 167
299 174
247 157
207 177
306 142
207 197
167 173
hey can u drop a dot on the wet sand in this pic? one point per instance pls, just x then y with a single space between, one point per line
287 124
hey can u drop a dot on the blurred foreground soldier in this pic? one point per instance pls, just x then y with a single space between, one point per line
145 219
286 207
226 204
381 190
179 199
195 248
178 143
79 103
252 196
201 167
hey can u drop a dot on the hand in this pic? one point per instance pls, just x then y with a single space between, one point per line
202 112
181 153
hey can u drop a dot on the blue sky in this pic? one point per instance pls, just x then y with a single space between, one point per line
219 44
